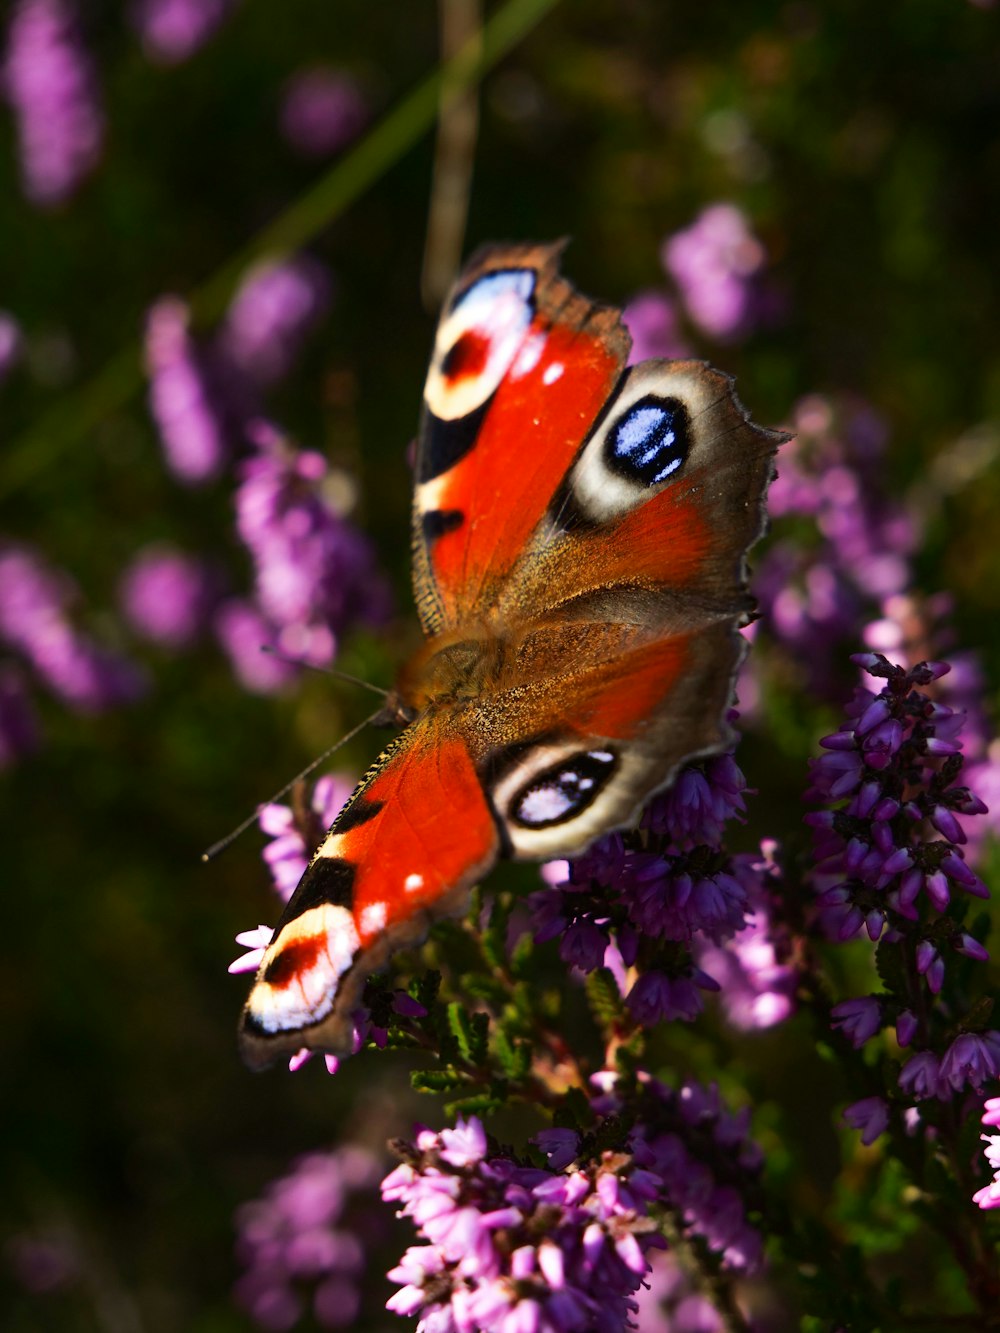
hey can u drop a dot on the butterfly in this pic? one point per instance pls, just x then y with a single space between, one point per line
580 531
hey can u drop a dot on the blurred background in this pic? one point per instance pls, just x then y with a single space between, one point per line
224 224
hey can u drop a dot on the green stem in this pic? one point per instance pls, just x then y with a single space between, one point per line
74 418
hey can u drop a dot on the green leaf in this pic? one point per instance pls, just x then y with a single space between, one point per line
460 1026
437 1080
603 998
891 968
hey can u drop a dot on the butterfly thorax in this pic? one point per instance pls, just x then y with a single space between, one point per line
456 667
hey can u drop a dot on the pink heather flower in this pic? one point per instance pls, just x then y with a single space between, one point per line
181 397
11 344
713 262
322 110
256 941
989 1195
275 306
165 595
48 79
172 30
291 848
651 319
870 1116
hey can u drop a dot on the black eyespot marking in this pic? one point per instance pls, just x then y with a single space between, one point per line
357 813
562 792
444 443
329 879
437 522
649 441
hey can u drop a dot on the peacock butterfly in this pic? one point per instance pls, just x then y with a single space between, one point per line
580 532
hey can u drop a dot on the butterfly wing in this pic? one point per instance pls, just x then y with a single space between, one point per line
405 850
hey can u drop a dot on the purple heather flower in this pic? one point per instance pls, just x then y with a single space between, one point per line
906 1027
714 262
921 1075
165 595
33 620
973 1058
46 1260
292 847
275 306
657 998
48 79
699 804
322 110
304 1233
858 1019
757 987
172 30
651 319
18 726
870 1115
11 343
182 397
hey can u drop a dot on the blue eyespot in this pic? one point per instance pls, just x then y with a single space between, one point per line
649 440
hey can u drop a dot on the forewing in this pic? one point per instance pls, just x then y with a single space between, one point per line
404 851
522 366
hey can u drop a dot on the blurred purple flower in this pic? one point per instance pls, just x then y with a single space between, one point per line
315 574
182 396
322 110
713 263
307 1233
49 81
973 1058
275 306
870 1116
757 985
33 620
292 846
243 634
858 1019
45 1260
11 343
172 30
166 595
651 319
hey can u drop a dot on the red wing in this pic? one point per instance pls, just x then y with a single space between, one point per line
522 366
406 849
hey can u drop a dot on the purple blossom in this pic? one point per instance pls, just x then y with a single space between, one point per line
757 982
858 1019
166 595
714 262
292 845
315 574
49 81
275 306
306 1233
322 110
243 633
34 620
651 319
870 1116
989 1195
921 1075
182 396
658 998
973 1058
172 30
11 343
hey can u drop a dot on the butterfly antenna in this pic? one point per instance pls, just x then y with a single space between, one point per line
324 670
223 843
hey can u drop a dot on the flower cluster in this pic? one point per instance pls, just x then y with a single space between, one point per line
305 1239
48 79
814 592
989 1195
714 263
512 1247
315 575
273 309
889 858
166 595
35 624
643 901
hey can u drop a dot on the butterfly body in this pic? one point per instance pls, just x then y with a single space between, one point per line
579 533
